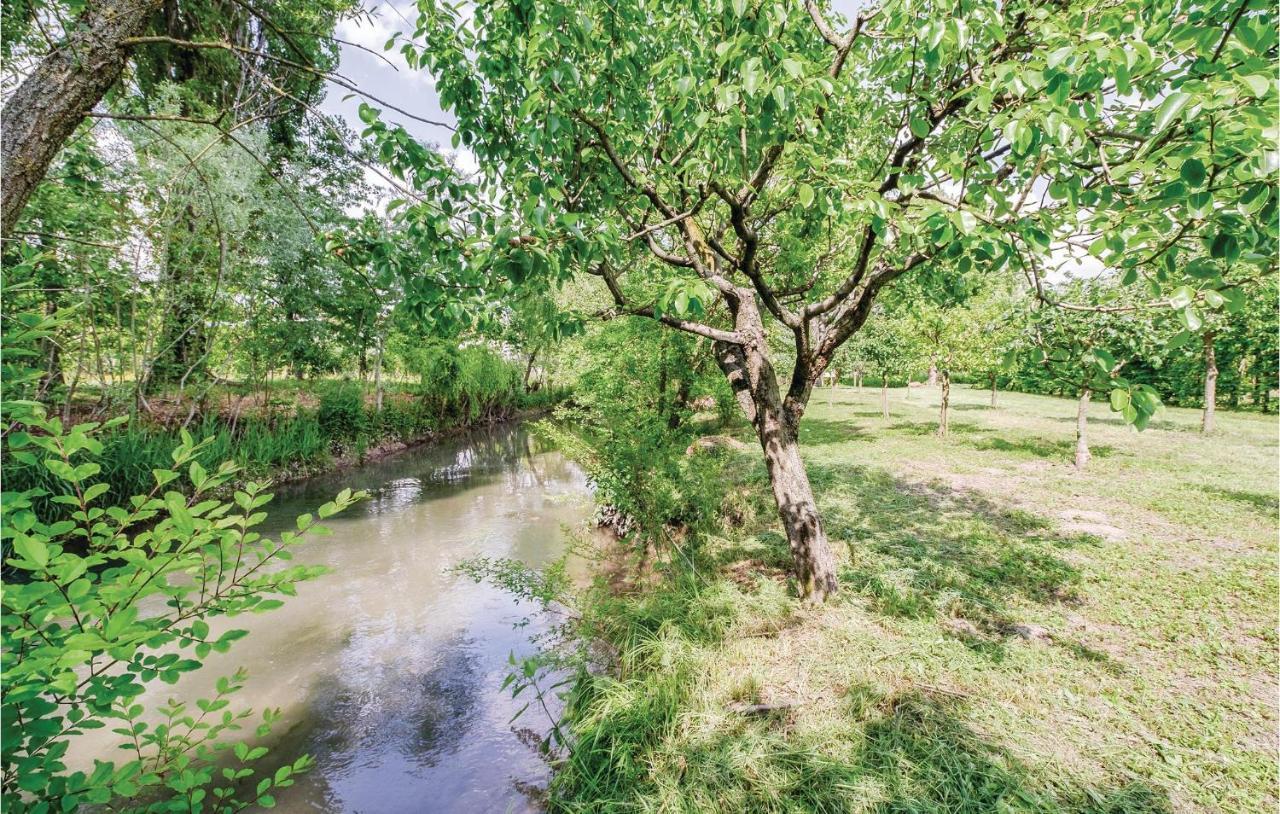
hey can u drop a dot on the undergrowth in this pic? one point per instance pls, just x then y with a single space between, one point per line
294 442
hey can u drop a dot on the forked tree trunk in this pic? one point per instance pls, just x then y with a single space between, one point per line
1210 385
52 101
993 390
946 402
884 396
1082 418
755 386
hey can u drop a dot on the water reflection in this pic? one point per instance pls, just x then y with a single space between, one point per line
388 670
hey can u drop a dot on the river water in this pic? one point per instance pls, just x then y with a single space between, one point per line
388 670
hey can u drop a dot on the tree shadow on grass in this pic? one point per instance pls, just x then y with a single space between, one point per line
933 552
818 431
1266 505
1039 447
931 428
984 439
915 753
929 760
1156 424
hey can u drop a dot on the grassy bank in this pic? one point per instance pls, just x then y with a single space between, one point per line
1011 635
305 430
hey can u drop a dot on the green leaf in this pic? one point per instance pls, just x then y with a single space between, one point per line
1193 172
806 194
1170 109
1225 247
1182 297
919 127
1119 399
1258 84
32 550
1191 318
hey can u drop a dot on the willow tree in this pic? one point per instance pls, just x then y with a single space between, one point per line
723 165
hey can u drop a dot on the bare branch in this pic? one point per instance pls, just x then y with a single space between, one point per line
610 280
328 76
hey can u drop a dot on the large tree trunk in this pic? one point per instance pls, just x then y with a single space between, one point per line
1210 385
755 385
1082 417
52 101
815 564
182 349
884 396
933 374
946 402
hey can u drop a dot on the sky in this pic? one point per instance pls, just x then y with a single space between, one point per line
385 74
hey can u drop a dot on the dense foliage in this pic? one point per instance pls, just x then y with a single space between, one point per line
683 218
105 599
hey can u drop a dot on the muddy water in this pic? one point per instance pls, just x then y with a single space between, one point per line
388 669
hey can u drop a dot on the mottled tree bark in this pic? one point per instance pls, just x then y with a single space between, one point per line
993 390
1082 418
1210 385
776 421
884 396
52 101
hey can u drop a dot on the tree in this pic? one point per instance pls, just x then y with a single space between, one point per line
945 333
887 347
995 323
52 101
290 49
722 166
1085 352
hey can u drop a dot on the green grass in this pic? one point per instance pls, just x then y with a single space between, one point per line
1152 577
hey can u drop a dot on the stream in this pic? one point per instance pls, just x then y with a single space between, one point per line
388 670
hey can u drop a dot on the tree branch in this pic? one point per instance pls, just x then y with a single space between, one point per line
328 76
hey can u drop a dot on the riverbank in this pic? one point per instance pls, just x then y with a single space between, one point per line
333 427
1010 635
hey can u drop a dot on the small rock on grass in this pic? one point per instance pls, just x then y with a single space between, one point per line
1032 633
961 627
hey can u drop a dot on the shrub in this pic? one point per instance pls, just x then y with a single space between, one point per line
78 652
341 413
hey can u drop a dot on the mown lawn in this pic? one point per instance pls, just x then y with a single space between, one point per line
1011 634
